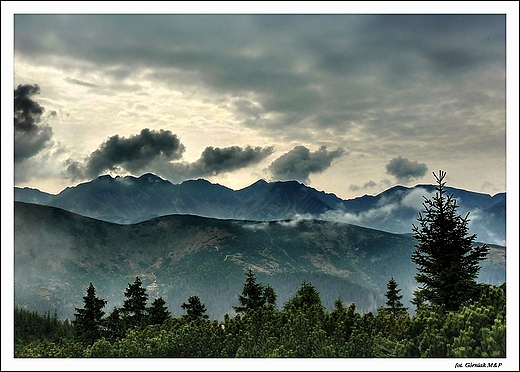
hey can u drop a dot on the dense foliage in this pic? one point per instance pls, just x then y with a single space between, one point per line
194 309
31 327
89 318
447 259
302 328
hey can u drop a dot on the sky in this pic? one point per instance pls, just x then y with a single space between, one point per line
347 98
350 104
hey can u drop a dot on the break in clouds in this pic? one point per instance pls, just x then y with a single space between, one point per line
30 137
405 170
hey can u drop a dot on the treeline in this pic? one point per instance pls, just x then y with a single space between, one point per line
302 328
30 327
455 316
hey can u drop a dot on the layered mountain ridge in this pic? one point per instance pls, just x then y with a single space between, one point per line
129 199
58 253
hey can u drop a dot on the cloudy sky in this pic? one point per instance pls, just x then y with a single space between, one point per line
346 103
342 99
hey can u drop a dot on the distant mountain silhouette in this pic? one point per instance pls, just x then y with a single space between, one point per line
129 199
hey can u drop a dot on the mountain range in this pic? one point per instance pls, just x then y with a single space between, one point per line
57 253
129 200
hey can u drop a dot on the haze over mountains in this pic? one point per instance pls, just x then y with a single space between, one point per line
58 253
198 238
127 200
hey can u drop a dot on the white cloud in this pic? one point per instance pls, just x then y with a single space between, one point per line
363 218
415 198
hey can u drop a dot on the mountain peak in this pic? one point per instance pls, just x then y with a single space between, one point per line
290 182
290 185
130 199
105 177
198 180
150 177
261 181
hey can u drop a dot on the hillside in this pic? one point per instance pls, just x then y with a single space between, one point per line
128 200
57 254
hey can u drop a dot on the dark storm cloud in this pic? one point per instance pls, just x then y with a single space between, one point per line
405 170
75 170
214 160
161 152
30 137
262 52
445 42
322 71
133 154
299 163
27 113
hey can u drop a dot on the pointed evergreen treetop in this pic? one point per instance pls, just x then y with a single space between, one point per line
195 309
393 303
448 262
88 319
136 299
252 297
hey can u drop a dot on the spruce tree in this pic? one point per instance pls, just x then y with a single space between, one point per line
270 296
134 307
252 297
393 303
448 261
158 313
194 309
115 325
88 321
305 298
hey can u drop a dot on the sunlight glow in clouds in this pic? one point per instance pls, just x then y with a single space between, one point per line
346 103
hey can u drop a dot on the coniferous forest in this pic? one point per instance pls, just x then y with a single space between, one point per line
454 316
303 328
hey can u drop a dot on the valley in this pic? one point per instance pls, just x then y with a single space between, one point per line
57 254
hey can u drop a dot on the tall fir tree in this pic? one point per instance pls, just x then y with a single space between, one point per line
88 320
393 299
158 312
448 261
252 297
195 310
270 297
134 307
305 298
115 325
